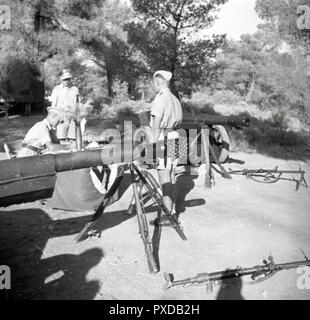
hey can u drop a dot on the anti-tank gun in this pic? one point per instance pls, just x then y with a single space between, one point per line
33 178
217 125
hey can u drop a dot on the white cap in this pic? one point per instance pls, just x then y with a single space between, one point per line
167 75
53 109
65 74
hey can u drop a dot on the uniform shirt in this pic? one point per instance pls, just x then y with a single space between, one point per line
65 97
37 137
168 109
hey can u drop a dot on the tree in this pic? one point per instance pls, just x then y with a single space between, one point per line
283 17
57 34
35 38
240 61
258 71
169 34
98 27
16 76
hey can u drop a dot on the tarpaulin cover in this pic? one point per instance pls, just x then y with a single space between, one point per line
75 191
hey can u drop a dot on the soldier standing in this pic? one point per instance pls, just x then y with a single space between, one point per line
166 116
65 98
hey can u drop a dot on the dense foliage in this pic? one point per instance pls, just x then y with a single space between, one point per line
114 46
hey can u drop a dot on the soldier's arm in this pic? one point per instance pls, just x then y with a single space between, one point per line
156 127
156 114
56 147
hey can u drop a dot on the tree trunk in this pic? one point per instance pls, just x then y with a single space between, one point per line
250 92
173 63
110 81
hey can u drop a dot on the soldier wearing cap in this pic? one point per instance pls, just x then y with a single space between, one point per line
65 98
166 116
42 137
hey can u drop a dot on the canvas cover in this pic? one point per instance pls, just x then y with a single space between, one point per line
75 191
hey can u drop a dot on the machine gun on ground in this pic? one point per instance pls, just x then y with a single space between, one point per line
257 273
272 175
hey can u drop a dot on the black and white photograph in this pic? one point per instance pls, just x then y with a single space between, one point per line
156 151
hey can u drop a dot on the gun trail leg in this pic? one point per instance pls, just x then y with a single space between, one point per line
206 147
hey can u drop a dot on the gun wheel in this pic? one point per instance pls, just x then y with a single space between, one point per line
220 141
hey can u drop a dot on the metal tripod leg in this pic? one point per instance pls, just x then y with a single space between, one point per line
142 221
155 185
108 199
157 198
300 181
131 209
206 146
225 174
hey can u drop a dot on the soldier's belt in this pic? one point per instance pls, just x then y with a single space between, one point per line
32 148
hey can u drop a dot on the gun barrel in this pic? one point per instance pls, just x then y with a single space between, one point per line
32 178
253 171
209 120
291 265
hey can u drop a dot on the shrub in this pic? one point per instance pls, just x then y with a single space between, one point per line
225 97
206 99
120 91
129 110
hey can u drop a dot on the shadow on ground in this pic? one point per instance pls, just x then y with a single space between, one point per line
24 234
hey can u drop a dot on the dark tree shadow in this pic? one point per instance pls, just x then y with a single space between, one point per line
110 219
63 277
23 237
233 160
230 290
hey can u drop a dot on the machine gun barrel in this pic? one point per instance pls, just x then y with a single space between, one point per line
258 171
257 273
272 175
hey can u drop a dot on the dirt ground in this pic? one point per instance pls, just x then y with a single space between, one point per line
237 222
